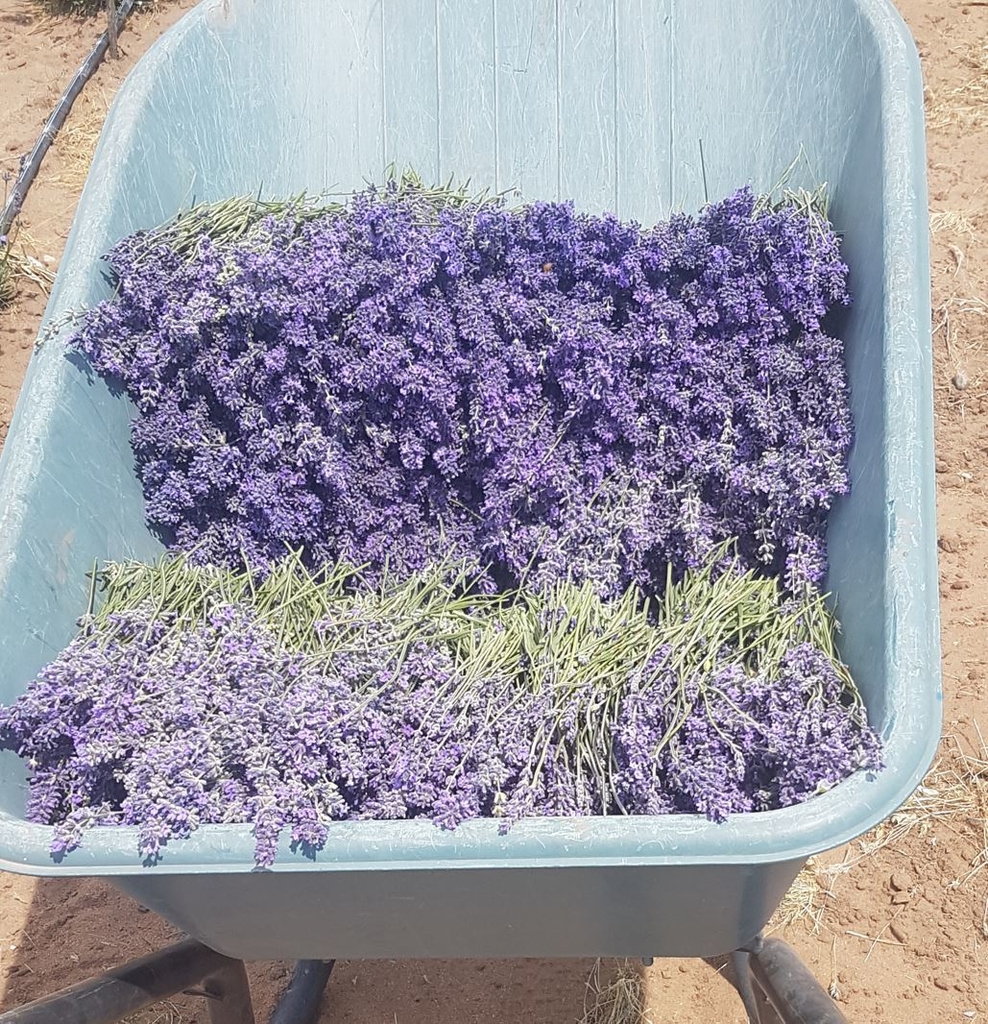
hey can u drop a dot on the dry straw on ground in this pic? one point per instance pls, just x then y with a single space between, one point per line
960 315
76 142
973 774
964 105
19 262
63 8
960 321
614 998
159 1013
951 222
8 286
54 9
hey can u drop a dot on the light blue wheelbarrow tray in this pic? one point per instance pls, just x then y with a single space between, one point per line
604 102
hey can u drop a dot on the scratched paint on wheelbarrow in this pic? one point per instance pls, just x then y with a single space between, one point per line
604 102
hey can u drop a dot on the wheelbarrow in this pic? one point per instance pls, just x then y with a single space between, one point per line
641 107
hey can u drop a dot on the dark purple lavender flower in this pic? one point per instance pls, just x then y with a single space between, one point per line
540 391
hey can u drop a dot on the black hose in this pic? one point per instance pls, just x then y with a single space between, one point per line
31 166
299 1003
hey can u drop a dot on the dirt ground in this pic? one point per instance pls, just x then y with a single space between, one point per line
896 925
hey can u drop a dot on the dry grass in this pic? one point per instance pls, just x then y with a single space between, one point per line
48 10
78 8
8 290
973 770
961 321
8 287
958 316
618 1000
19 262
76 142
159 1013
68 8
965 105
951 222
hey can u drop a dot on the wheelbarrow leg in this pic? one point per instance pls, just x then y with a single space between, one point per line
228 994
186 966
791 990
741 962
300 1002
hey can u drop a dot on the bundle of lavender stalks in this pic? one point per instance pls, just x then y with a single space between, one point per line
554 489
198 694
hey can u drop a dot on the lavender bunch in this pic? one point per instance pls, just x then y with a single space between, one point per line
542 393
197 695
